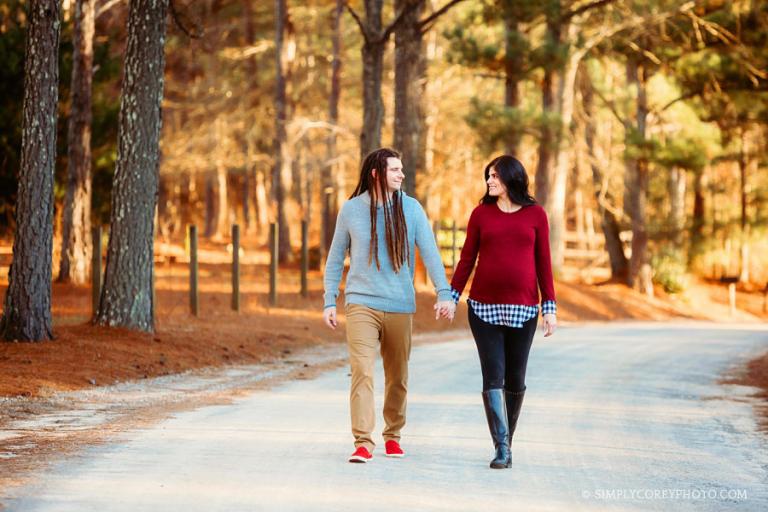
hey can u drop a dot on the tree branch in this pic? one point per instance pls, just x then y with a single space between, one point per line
426 23
684 97
398 19
360 23
611 106
584 8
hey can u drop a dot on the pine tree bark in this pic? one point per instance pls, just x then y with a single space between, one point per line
27 312
677 189
210 206
127 298
549 140
280 149
512 72
743 161
76 219
329 180
636 181
410 76
373 67
699 215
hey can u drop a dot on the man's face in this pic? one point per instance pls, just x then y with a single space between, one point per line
395 174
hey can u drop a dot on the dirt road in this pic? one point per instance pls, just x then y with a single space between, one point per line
618 417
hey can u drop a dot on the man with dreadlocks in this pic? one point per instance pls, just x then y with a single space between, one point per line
380 226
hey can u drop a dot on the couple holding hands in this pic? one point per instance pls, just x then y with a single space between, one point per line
508 237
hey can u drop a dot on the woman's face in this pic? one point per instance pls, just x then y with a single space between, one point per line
495 186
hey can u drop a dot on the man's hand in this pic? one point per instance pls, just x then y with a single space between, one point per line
550 324
445 309
329 317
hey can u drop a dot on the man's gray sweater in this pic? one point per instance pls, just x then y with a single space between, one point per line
384 289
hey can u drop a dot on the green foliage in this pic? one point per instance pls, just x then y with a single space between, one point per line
669 270
639 147
11 95
681 152
107 65
496 125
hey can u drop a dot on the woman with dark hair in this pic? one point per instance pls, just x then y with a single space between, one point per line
508 234
380 226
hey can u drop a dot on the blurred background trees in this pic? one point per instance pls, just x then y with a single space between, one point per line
642 123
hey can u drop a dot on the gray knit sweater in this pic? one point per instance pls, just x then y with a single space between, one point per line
383 290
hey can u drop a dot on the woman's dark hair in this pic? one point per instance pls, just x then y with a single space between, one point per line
512 174
395 230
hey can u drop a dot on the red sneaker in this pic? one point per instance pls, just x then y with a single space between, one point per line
361 455
393 449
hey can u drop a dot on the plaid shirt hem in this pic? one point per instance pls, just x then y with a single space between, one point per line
510 315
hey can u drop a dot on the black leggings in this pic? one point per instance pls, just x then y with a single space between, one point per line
503 352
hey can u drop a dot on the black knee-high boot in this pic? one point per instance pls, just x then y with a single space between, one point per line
496 413
514 401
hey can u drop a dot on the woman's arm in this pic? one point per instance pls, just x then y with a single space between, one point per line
468 256
544 260
544 276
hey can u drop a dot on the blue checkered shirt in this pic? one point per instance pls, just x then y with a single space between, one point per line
510 315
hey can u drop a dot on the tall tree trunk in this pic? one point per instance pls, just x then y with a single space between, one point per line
550 134
410 71
373 67
636 181
553 165
563 150
608 221
280 149
249 33
245 191
27 313
163 219
744 219
512 72
307 178
186 199
677 205
210 206
76 239
222 200
261 203
330 169
699 215
127 298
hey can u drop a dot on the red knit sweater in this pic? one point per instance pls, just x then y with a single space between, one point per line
514 261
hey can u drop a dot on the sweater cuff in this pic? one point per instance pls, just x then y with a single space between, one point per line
455 295
548 307
443 295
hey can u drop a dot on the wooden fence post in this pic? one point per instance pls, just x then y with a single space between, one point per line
193 300
236 267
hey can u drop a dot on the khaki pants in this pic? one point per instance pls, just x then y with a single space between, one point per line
368 330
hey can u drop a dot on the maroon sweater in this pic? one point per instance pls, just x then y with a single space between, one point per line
514 261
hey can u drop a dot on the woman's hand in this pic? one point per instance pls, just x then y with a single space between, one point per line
445 309
550 324
329 317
